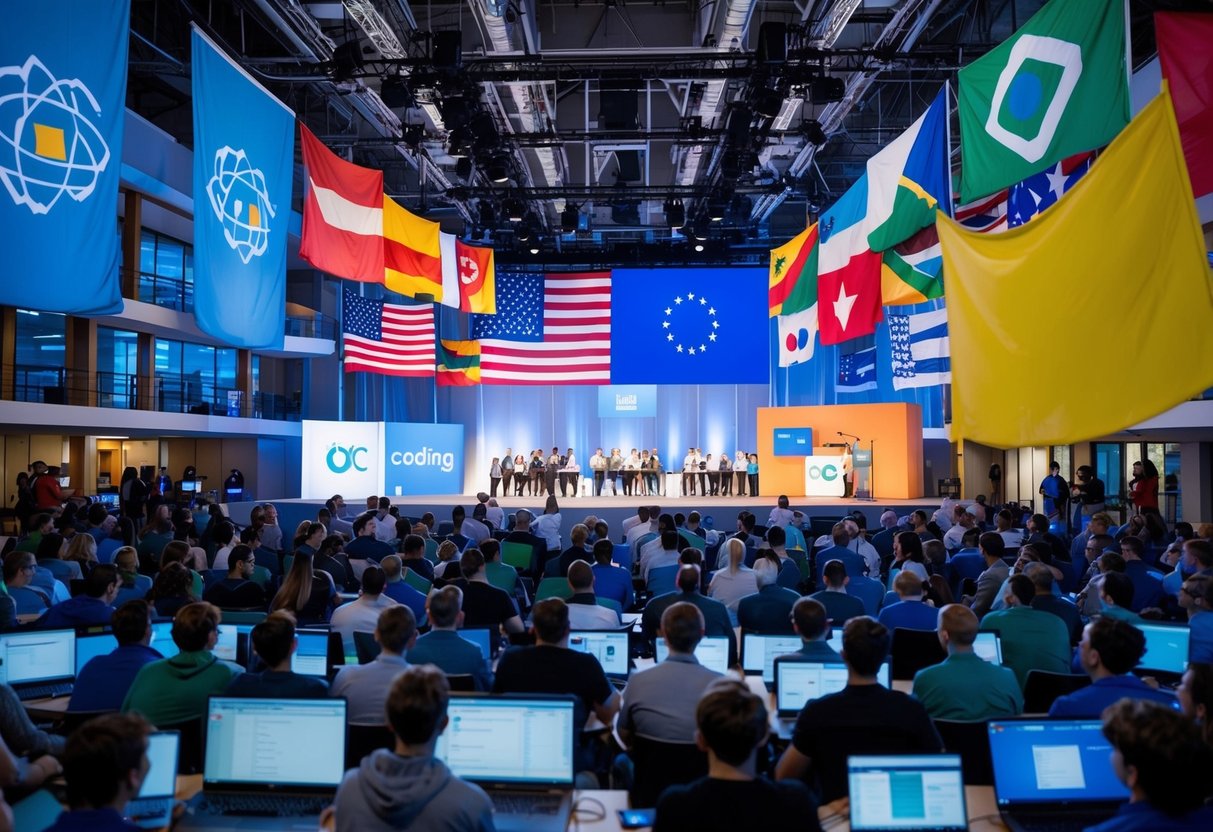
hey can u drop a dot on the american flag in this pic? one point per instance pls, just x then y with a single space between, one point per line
988 214
387 338
554 330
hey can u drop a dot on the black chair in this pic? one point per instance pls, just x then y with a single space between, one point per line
661 764
366 646
363 739
72 720
189 759
461 682
1042 688
969 739
913 650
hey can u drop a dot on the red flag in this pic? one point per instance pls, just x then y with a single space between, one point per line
1185 49
849 300
342 214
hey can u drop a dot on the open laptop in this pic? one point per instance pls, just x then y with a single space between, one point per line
519 749
1166 648
152 808
758 653
1053 772
481 638
907 791
988 646
38 664
610 647
712 652
797 683
311 657
269 763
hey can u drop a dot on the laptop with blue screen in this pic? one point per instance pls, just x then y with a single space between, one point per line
610 647
897 792
480 637
269 763
1167 647
519 749
152 808
1053 772
712 652
38 664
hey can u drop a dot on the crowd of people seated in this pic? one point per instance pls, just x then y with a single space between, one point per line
397 593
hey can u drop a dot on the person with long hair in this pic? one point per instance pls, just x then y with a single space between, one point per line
735 581
909 556
305 592
308 538
1143 488
172 589
82 549
132 584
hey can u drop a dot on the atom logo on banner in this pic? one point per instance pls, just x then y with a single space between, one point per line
241 202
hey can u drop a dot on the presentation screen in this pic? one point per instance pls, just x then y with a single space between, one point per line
793 441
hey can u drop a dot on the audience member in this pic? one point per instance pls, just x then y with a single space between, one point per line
558 567
768 610
103 682
485 605
398 589
443 646
585 613
735 581
715 616
362 614
841 550
811 623
1108 652
93 607
963 686
275 642
611 581
366 547
839 604
1048 601
1195 695
1031 639
412 555
992 547
366 686
105 763
1196 599
910 611
237 591
305 593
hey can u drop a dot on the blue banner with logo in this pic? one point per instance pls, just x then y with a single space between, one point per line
622 400
244 149
62 98
689 326
422 459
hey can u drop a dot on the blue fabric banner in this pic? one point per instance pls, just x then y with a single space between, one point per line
244 148
62 94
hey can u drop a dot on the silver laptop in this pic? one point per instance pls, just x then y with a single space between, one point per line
519 749
798 683
895 792
988 646
269 763
610 647
758 653
152 808
38 664
311 656
712 652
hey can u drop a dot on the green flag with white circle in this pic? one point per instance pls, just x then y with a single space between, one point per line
1057 87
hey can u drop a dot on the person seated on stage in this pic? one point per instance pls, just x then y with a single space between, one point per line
810 621
274 641
664 553
863 718
362 614
910 611
366 686
365 546
105 764
781 515
715 616
585 613
840 605
92 607
547 526
396 588
655 701
611 581
964 686
769 610
1031 639
237 591
443 646
732 724
175 690
558 567
485 605
412 555
1164 764
1108 652
103 682
407 786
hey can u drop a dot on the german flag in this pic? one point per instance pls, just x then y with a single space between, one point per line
792 264
458 363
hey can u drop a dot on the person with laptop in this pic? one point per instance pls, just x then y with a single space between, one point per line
174 690
655 699
585 613
731 724
715 615
362 614
237 591
964 686
275 642
366 686
1031 639
444 647
407 787
103 682
1108 652
863 718
810 620
551 667
91 608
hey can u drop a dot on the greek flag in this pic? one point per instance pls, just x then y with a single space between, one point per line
921 356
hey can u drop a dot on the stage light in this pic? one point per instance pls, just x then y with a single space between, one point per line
675 213
569 219
716 209
699 246
768 103
813 132
514 209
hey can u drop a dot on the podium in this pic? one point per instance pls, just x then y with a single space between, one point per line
824 472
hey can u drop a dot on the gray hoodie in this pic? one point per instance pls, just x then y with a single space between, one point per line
390 792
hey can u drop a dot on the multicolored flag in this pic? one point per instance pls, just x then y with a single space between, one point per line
912 271
792 264
469 281
412 256
342 214
848 271
1028 198
458 363
857 371
921 355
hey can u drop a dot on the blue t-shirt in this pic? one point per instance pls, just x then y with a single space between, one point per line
103 682
912 615
1142 817
1089 702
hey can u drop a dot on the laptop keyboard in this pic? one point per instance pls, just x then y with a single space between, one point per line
527 804
25 694
149 808
1060 822
264 805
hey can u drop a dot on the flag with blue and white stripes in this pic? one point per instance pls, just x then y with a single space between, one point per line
921 355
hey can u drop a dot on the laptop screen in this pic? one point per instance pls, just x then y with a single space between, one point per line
988 647
608 646
226 645
758 653
312 655
38 656
1166 648
161 779
799 682
102 644
479 637
712 652
1052 761
506 739
270 743
911 791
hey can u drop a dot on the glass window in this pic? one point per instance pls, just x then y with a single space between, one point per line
38 361
166 272
117 367
1109 467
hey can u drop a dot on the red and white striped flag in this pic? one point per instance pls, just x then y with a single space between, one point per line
387 338
342 214
576 339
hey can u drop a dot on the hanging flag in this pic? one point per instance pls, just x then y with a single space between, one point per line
244 156
848 272
1056 87
921 356
1028 198
909 178
412 255
790 265
912 271
797 333
1184 51
573 345
857 371
468 276
987 215
62 97
1148 270
458 363
387 338
342 214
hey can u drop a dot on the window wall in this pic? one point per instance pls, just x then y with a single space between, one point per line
41 340
117 367
196 378
167 272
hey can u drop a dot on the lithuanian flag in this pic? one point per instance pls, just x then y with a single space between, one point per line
458 363
791 263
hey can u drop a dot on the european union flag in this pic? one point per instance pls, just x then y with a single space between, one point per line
693 326
519 309
62 96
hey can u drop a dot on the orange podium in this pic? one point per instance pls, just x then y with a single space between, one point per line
895 427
